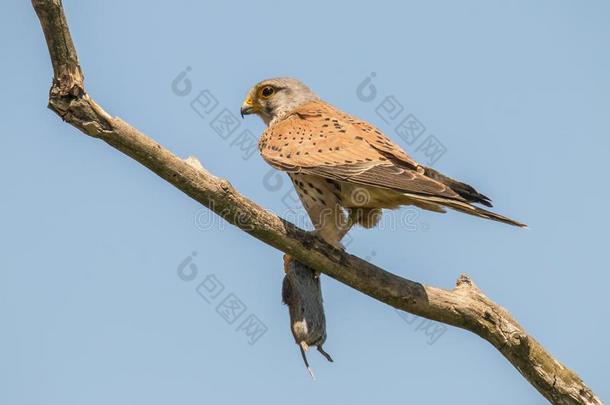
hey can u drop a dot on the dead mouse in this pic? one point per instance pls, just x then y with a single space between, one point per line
302 293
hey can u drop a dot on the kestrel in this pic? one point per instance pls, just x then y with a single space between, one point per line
345 170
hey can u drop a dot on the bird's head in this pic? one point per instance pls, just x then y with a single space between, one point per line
272 99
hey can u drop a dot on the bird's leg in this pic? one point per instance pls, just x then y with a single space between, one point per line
345 228
333 235
330 223
325 354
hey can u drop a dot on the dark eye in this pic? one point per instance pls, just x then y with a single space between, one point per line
267 91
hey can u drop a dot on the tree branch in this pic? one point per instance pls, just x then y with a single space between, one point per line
465 306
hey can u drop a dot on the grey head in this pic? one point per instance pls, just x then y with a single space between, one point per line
272 99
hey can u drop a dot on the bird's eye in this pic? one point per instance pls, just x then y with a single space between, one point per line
267 91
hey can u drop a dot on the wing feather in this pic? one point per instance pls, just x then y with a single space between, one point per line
320 140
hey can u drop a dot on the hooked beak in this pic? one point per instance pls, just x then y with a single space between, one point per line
248 107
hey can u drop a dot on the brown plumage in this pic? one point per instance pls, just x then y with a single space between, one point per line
340 163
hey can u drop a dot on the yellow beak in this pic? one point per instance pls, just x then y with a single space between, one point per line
248 107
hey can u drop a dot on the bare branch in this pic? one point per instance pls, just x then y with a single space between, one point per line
465 306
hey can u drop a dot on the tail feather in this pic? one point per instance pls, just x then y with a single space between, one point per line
483 213
464 190
464 207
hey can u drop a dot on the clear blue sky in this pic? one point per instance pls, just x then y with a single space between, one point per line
91 305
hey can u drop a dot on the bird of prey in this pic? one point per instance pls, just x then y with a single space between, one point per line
345 170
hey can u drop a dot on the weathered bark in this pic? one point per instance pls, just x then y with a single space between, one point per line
464 306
